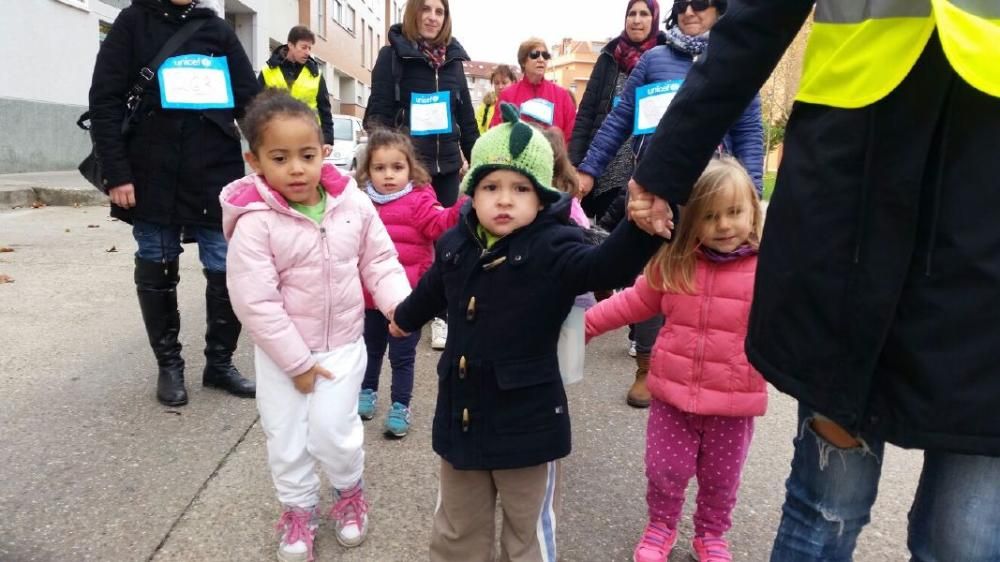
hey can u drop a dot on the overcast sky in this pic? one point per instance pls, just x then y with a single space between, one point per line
491 30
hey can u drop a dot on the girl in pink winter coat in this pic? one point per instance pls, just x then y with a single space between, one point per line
303 241
705 393
399 186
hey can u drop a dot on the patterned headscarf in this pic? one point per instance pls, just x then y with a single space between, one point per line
627 53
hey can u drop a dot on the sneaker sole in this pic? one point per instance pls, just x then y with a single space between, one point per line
368 417
395 435
282 557
354 543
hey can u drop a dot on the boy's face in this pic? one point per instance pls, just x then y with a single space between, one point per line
505 201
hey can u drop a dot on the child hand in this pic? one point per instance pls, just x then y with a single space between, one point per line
396 331
306 382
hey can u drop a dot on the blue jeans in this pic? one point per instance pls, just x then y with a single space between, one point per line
955 514
402 356
162 243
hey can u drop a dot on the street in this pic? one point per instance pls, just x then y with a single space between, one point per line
96 469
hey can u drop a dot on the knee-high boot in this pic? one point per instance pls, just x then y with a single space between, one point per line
156 285
220 340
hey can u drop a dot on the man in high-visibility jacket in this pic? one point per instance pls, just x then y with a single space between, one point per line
877 297
291 67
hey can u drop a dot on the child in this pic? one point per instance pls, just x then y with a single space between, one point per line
705 393
508 274
303 242
400 188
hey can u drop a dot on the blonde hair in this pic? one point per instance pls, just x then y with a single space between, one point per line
564 176
672 269
411 22
525 49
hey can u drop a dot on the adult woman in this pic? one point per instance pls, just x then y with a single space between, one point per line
648 91
614 64
165 177
501 77
539 100
416 76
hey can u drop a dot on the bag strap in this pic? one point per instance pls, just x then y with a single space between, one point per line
148 73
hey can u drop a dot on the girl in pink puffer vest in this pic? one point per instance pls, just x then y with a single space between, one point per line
705 392
399 186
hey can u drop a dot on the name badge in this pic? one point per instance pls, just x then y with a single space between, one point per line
539 109
195 82
651 102
430 114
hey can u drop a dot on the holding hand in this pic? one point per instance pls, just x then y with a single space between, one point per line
649 212
306 382
586 183
395 330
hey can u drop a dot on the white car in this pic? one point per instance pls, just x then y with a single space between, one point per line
349 141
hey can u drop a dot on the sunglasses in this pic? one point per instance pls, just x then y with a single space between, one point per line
681 6
533 55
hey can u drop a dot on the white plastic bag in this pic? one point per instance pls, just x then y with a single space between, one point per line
571 348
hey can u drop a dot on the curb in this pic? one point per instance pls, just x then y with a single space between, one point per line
51 196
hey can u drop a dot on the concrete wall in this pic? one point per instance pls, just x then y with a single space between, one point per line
40 136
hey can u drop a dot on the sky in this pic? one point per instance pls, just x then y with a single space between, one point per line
491 30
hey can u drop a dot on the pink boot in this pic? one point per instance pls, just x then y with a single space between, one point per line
657 540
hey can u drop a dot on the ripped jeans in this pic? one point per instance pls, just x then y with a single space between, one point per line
955 515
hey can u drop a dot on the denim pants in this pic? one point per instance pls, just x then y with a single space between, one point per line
402 356
162 243
955 515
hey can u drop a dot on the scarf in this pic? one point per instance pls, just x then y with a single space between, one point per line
693 45
627 53
383 198
435 53
721 257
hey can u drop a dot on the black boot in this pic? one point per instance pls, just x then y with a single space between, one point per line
220 340
156 285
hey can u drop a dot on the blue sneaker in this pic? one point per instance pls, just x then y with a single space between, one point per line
397 423
366 403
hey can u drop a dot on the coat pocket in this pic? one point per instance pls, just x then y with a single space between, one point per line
530 395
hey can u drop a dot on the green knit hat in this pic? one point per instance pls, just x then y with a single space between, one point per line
513 145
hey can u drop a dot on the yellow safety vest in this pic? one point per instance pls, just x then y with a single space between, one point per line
305 88
860 50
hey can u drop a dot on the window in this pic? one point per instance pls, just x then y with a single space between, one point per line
321 17
364 51
82 4
371 47
342 129
349 19
338 11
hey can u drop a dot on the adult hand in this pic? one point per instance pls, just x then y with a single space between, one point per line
586 183
395 331
306 382
465 167
649 212
123 195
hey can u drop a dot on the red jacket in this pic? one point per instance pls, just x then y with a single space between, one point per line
564 112
698 364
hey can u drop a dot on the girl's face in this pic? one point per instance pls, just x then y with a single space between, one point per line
695 23
500 83
290 157
432 16
389 170
505 201
638 22
728 219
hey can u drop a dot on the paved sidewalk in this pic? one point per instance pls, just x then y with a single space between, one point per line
62 188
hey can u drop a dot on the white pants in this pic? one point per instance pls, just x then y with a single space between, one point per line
321 426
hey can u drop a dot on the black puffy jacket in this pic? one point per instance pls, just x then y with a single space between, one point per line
178 160
403 60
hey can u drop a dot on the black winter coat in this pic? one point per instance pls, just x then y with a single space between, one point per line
441 154
291 71
178 160
501 402
878 277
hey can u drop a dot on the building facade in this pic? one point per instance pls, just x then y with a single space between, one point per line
572 63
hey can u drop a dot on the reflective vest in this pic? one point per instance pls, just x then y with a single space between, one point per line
860 50
305 88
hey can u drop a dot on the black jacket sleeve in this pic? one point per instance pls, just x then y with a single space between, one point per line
614 263
586 116
425 302
466 115
381 110
109 88
323 108
746 46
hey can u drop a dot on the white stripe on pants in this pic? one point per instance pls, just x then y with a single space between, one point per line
323 426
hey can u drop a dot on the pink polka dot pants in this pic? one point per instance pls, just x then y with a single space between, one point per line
681 445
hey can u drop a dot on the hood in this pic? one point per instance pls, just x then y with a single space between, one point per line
408 49
251 193
165 10
278 59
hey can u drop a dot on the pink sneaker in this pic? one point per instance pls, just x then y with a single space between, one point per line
657 540
711 549
350 515
297 529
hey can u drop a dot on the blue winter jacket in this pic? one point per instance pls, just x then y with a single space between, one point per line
745 139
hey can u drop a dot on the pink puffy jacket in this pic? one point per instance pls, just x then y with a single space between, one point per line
698 364
415 221
297 285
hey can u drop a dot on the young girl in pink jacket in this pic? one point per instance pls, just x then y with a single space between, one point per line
705 393
399 186
303 242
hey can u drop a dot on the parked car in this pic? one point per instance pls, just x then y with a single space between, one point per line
349 140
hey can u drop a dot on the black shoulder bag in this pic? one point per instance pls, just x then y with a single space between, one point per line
90 168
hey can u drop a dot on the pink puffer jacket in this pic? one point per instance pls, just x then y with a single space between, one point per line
297 285
698 364
415 221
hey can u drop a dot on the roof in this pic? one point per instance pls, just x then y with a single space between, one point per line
479 69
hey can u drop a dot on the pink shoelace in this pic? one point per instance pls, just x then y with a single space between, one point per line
293 526
350 508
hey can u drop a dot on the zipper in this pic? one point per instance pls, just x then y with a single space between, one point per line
437 138
699 357
327 283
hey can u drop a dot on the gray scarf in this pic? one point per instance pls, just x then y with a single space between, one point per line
693 45
383 198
